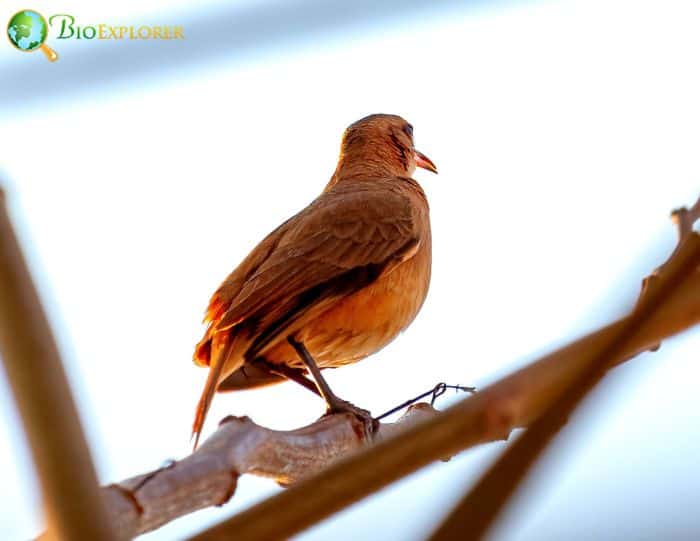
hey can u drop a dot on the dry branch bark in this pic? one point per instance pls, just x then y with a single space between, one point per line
40 389
209 475
331 466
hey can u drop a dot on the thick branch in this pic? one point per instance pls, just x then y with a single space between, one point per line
209 475
40 388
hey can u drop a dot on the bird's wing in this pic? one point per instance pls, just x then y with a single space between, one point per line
222 298
340 243
234 282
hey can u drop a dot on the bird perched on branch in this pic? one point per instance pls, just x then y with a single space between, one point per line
333 284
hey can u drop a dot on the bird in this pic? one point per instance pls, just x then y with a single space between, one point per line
334 283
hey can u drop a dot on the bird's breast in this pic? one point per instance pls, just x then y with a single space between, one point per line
366 321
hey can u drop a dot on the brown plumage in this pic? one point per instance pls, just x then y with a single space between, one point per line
342 277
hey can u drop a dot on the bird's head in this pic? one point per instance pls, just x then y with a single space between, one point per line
382 142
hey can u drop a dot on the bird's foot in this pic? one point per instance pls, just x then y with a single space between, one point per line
369 423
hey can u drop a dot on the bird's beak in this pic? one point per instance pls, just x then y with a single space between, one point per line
423 161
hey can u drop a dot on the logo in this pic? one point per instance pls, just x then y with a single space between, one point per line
27 31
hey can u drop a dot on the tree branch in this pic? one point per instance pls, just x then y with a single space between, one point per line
40 388
685 219
332 466
483 503
209 475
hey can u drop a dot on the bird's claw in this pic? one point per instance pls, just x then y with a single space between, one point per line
369 423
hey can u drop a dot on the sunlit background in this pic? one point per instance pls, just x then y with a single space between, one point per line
140 173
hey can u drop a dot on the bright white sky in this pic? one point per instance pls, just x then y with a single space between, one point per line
564 132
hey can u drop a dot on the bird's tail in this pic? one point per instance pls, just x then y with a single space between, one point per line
219 359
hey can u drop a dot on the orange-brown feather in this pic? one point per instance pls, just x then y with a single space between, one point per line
346 274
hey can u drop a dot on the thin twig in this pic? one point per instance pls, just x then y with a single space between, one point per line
67 476
436 392
685 219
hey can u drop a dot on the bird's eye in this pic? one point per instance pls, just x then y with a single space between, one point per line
408 129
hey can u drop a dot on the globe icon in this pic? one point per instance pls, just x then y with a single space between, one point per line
27 31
